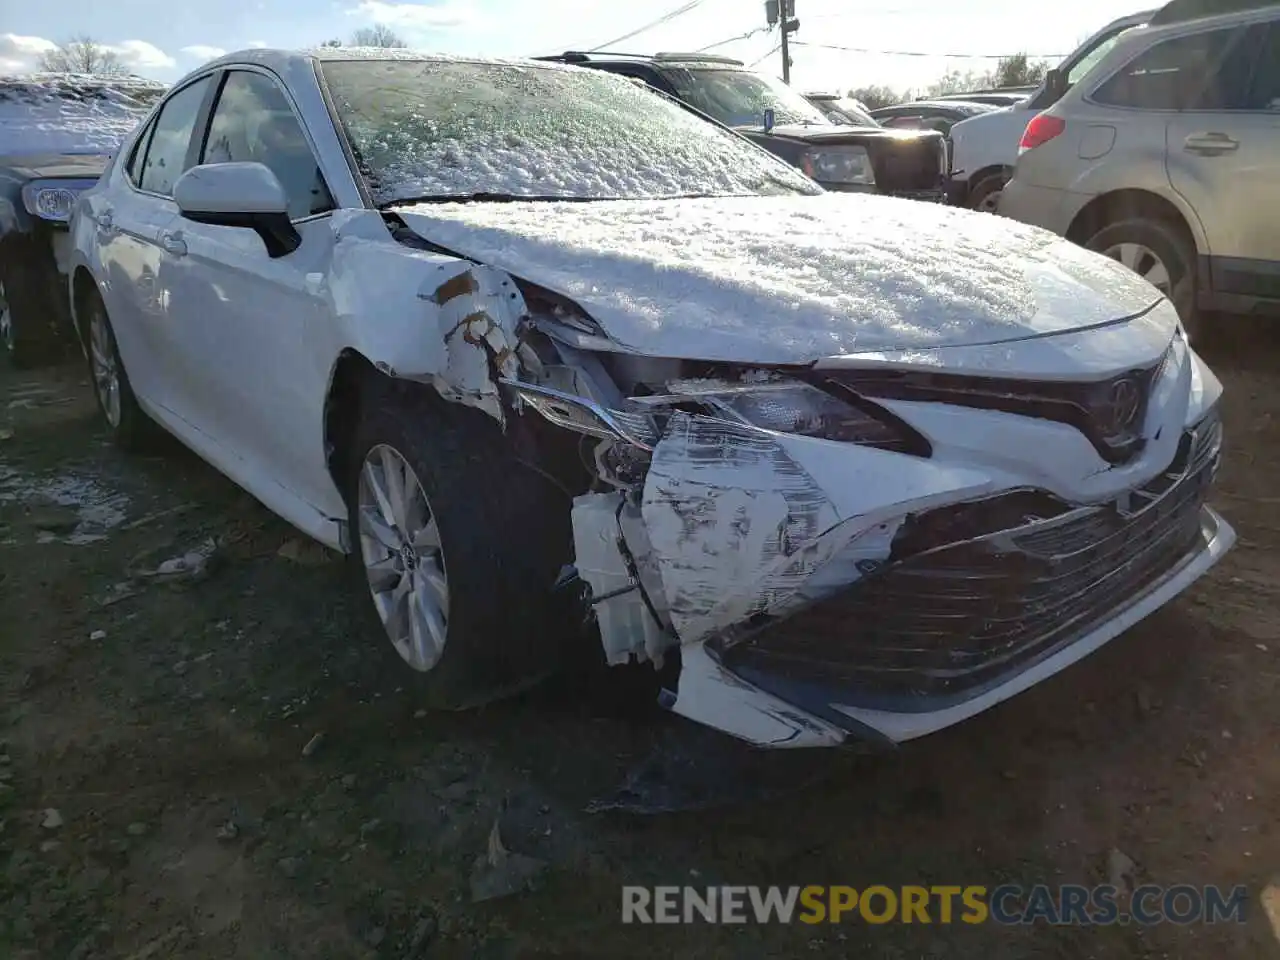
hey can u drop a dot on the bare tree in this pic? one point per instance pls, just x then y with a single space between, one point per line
83 55
379 35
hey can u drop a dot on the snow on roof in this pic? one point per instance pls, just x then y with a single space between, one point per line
44 113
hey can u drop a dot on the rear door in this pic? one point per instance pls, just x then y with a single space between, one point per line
129 222
1224 157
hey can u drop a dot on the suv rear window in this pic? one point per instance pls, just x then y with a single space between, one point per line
1170 75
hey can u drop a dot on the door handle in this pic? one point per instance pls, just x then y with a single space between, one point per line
1210 144
106 221
173 243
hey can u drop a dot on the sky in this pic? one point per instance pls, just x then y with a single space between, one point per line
164 39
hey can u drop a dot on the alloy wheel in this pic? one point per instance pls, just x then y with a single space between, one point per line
990 202
400 547
106 371
1143 261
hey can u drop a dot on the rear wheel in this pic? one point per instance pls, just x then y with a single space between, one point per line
1160 253
985 195
130 428
456 546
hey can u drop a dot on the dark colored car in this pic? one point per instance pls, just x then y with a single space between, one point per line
842 110
57 134
769 113
940 115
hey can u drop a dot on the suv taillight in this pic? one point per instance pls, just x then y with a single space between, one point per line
1042 128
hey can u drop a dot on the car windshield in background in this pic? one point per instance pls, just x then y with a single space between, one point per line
739 98
846 111
68 113
436 129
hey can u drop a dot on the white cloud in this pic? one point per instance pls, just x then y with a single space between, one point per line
258 44
142 55
415 18
20 54
200 51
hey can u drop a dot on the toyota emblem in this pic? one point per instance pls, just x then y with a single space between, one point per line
1120 408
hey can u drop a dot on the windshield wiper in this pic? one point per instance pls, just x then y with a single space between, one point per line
484 196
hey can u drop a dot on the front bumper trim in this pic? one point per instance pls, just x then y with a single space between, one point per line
714 695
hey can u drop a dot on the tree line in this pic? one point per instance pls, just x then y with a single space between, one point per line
1017 70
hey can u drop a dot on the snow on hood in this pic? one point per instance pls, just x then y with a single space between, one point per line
792 279
65 114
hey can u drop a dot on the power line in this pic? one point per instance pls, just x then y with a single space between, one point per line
741 36
669 15
921 53
776 47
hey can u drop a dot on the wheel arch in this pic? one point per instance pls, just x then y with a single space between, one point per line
83 286
1129 204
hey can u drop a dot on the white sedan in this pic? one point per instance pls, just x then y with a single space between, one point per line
538 347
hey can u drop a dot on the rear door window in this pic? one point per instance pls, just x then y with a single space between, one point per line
1174 75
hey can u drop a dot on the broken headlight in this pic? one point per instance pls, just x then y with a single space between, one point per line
789 406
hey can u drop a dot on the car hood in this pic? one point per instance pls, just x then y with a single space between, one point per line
792 279
836 133
56 165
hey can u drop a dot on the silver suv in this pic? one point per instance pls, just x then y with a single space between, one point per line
1166 157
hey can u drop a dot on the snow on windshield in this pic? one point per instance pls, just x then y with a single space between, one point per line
739 98
449 127
65 113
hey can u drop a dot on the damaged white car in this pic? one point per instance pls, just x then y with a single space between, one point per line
511 332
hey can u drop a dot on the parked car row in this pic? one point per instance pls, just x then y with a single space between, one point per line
56 133
555 359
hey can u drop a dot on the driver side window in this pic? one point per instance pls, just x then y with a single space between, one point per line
253 121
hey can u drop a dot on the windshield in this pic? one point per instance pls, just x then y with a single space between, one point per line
62 114
846 111
738 98
453 128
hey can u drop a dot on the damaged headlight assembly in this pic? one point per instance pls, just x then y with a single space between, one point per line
782 406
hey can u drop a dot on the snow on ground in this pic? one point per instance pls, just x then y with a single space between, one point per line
65 113
791 279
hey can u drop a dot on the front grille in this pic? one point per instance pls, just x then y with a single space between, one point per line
949 619
908 166
1113 431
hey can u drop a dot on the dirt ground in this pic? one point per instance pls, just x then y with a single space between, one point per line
218 766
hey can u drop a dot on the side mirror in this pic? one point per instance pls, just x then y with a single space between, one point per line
239 194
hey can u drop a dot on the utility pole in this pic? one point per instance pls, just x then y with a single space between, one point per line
783 13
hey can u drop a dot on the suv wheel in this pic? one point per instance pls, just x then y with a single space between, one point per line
1161 254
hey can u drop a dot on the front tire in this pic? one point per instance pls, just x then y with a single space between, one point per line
130 428
1162 254
456 546
26 337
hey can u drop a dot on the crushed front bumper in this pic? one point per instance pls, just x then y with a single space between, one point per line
931 639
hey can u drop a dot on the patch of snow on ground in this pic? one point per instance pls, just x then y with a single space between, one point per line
792 279
97 509
57 113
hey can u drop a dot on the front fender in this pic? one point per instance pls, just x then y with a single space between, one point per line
423 315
